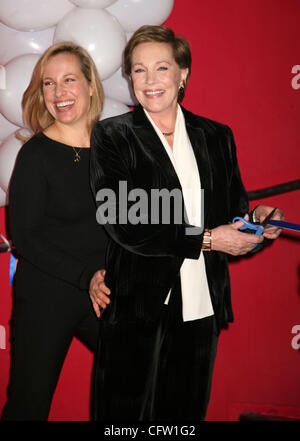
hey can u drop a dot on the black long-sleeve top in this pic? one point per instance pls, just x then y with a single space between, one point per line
52 212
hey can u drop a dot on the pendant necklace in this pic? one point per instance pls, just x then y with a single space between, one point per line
77 151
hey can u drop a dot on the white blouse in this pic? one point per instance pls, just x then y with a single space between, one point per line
196 302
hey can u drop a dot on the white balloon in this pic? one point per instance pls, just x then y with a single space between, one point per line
2 77
118 87
6 128
33 15
18 73
93 4
8 153
134 13
112 108
3 201
15 43
99 33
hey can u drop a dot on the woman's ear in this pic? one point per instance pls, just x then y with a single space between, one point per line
184 74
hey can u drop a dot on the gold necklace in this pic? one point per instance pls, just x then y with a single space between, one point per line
167 133
77 151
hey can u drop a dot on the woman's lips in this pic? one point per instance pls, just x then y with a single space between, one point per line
64 105
154 93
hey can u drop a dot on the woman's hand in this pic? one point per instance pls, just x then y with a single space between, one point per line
228 239
261 212
99 292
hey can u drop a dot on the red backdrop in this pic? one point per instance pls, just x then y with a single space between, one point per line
243 75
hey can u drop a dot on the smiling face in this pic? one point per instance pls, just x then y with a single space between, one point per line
66 90
156 77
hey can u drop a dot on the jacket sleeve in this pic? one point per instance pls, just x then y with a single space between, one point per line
28 221
239 204
111 155
238 199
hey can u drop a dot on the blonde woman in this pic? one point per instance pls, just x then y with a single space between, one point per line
52 220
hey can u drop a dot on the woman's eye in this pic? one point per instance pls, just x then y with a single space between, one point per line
139 70
163 68
47 83
70 80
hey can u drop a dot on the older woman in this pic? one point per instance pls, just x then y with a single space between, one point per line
54 230
169 280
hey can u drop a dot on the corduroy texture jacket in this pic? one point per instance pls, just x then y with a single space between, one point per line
144 260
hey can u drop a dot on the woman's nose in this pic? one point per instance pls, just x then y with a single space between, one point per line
150 77
59 90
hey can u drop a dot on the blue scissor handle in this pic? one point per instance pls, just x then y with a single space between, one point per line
259 229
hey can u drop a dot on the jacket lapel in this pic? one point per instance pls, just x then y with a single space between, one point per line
199 144
153 147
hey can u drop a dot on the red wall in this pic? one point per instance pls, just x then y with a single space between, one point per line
243 55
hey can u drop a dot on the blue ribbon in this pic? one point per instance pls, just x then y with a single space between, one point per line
12 268
284 224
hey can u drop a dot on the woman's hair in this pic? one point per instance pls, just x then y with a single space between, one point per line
35 113
160 34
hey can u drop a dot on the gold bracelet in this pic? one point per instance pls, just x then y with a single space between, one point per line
206 242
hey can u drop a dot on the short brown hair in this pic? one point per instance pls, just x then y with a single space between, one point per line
35 112
160 34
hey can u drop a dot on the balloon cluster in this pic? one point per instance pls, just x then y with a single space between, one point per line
29 27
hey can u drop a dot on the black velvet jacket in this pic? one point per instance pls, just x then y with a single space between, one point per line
144 260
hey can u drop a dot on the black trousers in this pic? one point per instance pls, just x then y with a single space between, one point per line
185 370
47 314
158 371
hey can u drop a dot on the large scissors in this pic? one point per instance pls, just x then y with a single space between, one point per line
254 227
258 228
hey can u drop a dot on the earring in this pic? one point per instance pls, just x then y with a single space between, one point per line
181 92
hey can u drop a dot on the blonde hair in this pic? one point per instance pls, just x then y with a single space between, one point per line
35 113
160 34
